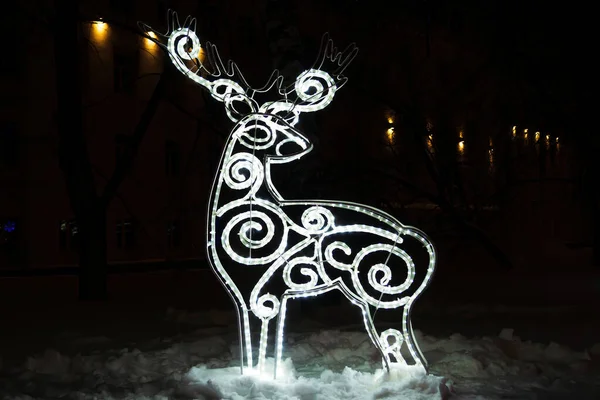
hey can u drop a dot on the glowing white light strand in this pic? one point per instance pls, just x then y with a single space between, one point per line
267 130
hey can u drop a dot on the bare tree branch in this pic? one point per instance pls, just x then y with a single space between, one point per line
125 163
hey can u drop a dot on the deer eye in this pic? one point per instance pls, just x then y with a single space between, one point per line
288 147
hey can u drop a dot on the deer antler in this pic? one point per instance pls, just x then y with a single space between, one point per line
329 53
314 88
183 47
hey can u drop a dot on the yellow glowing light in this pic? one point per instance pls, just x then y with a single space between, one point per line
514 131
99 29
390 116
525 130
99 25
149 42
390 134
201 55
430 142
547 137
460 134
461 146
537 136
557 139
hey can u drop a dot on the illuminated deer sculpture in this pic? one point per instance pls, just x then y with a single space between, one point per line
298 248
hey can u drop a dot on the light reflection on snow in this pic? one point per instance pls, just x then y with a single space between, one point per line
328 365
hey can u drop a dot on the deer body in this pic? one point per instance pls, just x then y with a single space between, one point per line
304 246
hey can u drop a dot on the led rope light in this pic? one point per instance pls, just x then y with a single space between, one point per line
251 225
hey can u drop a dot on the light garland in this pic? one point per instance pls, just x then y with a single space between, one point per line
251 225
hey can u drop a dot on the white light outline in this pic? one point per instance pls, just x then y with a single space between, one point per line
243 172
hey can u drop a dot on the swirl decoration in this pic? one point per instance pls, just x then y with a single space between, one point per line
317 220
243 171
253 221
256 133
313 276
283 109
253 231
316 88
266 306
392 348
379 275
179 44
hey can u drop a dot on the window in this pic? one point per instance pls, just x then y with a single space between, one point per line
8 145
172 158
124 72
173 234
121 142
68 235
125 234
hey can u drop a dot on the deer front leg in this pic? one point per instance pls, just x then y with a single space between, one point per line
245 339
265 307
287 295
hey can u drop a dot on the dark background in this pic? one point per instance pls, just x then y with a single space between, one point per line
107 155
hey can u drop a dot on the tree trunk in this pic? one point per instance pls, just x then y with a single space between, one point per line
73 155
93 255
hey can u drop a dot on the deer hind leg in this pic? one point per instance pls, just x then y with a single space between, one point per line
392 341
372 332
295 294
411 343
318 290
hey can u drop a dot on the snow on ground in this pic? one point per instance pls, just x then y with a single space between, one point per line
321 365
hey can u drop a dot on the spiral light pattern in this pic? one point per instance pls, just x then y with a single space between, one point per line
253 228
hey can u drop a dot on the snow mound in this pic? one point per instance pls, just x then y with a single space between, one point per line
348 384
319 365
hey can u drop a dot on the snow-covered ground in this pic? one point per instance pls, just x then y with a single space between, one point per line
200 362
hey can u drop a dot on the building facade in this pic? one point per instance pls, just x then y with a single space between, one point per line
159 211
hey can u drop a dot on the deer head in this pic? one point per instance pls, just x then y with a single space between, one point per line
311 91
